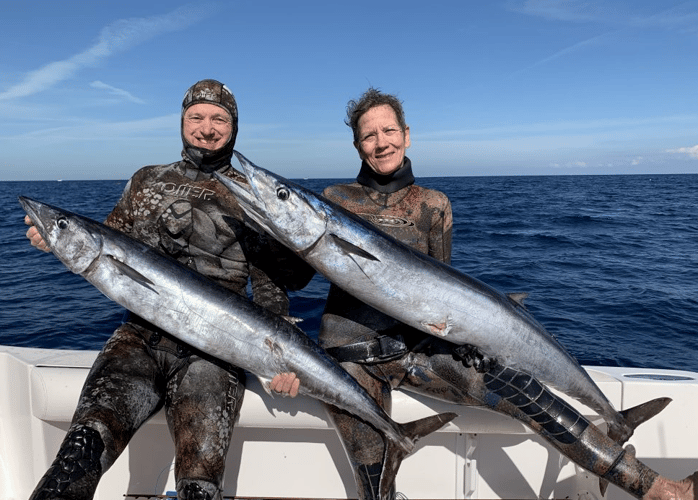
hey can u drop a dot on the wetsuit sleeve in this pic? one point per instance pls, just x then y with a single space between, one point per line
441 234
121 216
268 294
274 270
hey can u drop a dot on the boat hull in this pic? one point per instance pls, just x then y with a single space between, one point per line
286 448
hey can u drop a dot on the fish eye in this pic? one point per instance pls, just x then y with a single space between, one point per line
282 194
62 223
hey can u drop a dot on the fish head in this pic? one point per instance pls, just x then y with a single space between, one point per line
68 235
289 212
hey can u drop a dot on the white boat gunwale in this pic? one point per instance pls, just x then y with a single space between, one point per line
286 448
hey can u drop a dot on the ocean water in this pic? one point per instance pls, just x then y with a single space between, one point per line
610 263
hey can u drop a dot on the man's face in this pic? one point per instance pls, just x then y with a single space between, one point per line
382 142
207 126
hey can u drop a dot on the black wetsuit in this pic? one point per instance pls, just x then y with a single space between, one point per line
184 212
417 362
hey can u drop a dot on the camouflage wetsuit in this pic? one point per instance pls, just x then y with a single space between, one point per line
184 212
384 354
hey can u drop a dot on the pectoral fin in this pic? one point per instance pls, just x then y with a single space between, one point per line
131 273
351 249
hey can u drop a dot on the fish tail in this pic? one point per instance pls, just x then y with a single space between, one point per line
395 452
642 413
633 417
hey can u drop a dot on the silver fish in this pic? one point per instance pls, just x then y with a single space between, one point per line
420 291
216 320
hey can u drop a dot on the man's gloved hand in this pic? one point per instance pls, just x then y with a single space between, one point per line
471 356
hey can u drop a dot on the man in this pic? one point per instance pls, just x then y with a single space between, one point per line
384 354
184 212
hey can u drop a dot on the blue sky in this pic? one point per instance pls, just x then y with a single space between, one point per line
92 90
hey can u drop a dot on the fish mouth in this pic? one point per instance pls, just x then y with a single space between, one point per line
30 207
247 194
244 193
34 209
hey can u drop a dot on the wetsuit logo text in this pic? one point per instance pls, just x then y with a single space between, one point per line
187 191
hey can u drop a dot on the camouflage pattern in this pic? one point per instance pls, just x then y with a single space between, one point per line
422 219
181 210
415 215
188 215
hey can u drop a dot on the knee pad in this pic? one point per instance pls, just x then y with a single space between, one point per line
559 420
77 468
192 489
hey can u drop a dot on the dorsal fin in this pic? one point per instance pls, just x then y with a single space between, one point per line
518 298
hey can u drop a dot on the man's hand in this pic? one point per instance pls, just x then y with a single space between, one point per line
471 356
286 384
34 237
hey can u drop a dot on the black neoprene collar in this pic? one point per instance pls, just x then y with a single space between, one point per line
390 183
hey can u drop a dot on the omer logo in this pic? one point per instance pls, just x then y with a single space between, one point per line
187 191
387 220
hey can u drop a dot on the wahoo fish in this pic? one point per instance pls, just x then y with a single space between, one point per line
215 320
420 291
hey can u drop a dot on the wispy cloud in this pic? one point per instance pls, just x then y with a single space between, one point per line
97 130
117 92
692 151
117 37
619 16
560 127
683 16
562 10
564 52
568 165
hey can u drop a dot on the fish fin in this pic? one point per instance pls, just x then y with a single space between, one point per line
130 272
642 413
518 298
635 416
350 248
394 453
603 486
266 384
294 320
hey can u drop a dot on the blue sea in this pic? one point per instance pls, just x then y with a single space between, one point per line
610 263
